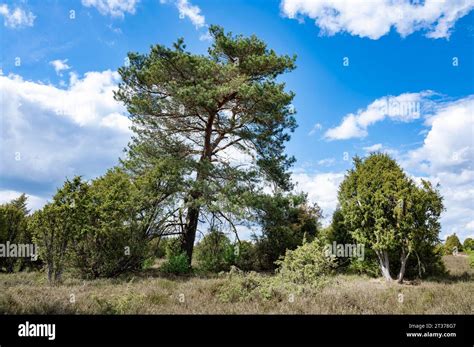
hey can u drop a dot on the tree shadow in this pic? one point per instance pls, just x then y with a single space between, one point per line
449 278
156 273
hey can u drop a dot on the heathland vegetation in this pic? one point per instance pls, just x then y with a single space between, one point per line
208 158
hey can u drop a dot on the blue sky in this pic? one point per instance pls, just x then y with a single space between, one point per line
394 76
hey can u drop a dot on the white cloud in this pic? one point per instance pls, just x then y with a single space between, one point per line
327 161
192 12
404 108
458 201
321 188
34 202
449 143
116 121
50 133
315 128
114 29
114 8
446 157
346 130
18 18
60 65
205 37
374 19
374 148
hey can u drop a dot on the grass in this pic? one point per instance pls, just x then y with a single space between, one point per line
151 293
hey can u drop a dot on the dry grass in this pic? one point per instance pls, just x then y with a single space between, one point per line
458 265
149 293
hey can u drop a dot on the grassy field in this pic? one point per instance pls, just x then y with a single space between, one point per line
151 293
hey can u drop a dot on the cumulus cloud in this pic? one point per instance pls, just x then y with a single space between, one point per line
59 65
446 157
49 133
16 18
404 108
449 143
321 188
374 19
114 8
457 190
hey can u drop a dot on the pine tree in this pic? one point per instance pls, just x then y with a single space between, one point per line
197 114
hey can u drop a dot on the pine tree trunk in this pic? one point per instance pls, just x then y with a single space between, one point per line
192 218
187 242
58 276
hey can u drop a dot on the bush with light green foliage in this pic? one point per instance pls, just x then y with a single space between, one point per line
306 264
241 286
305 268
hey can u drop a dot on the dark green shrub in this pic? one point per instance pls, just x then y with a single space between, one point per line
158 247
245 256
426 261
172 246
176 261
112 239
368 266
13 229
452 244
57 225
176 264
468 244
215 252
338 232
286 221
